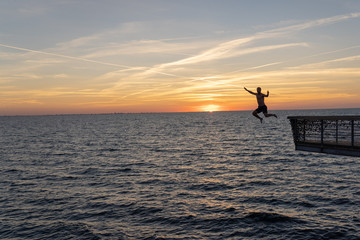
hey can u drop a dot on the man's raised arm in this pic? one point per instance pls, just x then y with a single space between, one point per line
249 91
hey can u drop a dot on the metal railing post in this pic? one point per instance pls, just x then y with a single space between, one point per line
337 132
322 131
352 133
304 134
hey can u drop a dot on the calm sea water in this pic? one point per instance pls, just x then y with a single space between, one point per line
220 175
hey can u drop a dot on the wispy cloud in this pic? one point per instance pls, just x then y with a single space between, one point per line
315 23
142 47
231 48
227 50
32 11
345 59
318 65
64 56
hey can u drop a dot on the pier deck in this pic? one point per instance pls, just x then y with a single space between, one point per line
327 134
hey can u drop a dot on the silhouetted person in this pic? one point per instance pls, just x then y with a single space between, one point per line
261 102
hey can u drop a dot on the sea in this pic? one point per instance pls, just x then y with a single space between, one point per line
219 175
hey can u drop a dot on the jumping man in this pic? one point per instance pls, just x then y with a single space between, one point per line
261 102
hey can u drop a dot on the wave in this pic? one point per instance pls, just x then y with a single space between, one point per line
55 230
235 219
210 187
270 218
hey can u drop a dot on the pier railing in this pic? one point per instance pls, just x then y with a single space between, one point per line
327 134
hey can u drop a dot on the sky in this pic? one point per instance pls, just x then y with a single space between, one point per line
112 56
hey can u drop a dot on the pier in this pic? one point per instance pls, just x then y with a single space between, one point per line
327 134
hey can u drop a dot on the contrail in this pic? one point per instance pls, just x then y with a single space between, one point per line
99 62
86 60
65 56
335 51
256 67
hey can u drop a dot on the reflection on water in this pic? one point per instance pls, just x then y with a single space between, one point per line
171 176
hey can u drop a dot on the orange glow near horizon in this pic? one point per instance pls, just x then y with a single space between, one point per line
310 87
235 100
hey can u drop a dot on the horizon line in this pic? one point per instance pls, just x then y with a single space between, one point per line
113 113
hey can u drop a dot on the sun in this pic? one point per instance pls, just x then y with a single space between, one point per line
210 108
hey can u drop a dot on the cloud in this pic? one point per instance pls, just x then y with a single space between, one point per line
65 56
229 51
79 42
315 23
101 40
231 48
323 63
157 46
217 52
345 59
147 47
225 50
61 75
32 11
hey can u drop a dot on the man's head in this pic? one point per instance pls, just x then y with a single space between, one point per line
259 89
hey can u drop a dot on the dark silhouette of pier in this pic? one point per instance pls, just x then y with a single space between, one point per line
327 134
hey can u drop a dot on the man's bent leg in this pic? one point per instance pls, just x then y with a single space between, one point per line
255 114
270 115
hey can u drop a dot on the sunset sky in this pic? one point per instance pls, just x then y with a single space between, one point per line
87 56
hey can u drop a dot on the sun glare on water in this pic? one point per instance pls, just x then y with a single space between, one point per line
210 108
